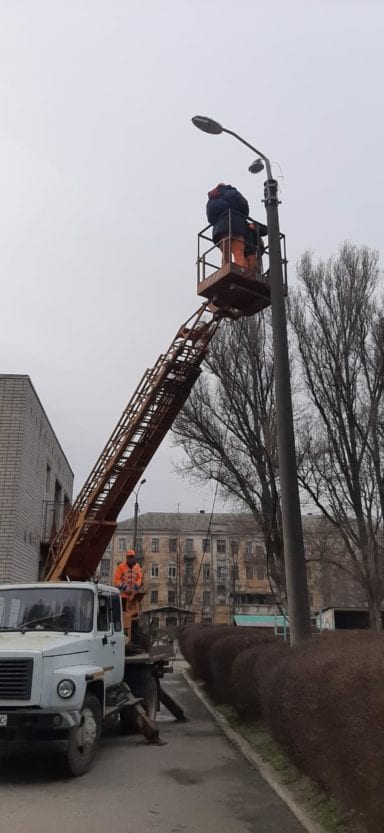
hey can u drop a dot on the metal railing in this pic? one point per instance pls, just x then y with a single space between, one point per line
210 256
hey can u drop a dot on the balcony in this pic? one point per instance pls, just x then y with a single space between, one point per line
189 555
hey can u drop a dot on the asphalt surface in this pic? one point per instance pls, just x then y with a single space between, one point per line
196 783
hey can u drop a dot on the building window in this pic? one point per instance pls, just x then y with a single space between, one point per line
57 504
206 598
189 545
206 571
260 572
122 544
155 545
235 572
221 571
154 571
139 546
67 506
154 622
188 597
206 544
189 571
172 545
47 479
248 547
249 572
154 597
171 570
234 547
254 599
221 545
171 597
221 590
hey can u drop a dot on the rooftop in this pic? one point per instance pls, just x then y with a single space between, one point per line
236 523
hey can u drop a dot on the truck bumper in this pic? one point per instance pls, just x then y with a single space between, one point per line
32 724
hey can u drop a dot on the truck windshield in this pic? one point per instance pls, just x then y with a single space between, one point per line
55 609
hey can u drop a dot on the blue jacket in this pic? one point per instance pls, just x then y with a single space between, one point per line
222 199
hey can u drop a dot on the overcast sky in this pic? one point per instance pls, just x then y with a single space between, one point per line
104 178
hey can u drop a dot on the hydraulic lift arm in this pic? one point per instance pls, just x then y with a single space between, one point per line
86 531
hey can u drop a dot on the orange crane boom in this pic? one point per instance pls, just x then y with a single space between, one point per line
232 291
80 544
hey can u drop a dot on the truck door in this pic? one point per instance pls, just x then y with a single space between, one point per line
107 649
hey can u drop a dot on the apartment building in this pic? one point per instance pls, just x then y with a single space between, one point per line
211 568
36 480
217 569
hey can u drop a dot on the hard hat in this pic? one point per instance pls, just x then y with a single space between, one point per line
131 552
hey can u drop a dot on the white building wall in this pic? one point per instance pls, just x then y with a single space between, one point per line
27 446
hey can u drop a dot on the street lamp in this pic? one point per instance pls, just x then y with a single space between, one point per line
294 556
136 515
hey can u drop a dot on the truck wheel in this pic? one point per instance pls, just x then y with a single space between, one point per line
145 688
84 738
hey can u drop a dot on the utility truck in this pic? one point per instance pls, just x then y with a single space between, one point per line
66 658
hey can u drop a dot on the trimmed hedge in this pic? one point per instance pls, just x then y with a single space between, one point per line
248 669
324 702
222 655
196 642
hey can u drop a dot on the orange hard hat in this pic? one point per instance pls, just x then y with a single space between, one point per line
131 552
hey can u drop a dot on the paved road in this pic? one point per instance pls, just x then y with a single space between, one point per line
197 783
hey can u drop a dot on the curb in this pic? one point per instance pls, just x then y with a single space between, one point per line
256 761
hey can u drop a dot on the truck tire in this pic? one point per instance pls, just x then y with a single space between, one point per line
145 688
83 739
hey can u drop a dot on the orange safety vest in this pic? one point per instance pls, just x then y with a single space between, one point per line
130 576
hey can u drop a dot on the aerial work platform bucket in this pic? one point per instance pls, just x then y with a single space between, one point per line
233 289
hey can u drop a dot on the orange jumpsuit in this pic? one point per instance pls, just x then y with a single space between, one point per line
128 579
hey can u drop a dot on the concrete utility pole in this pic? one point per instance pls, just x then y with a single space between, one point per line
136 514
294 556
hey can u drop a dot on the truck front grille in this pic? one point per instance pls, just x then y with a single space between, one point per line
15 679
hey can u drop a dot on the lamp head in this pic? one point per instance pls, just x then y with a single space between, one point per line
256 167
143 481
207 125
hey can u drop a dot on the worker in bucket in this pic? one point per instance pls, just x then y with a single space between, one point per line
128 577
227 211
254 247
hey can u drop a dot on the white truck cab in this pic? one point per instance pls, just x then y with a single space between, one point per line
62 665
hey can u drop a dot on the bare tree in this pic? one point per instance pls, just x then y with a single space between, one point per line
227 428
338 323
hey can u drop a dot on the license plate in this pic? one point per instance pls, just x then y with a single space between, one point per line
3 720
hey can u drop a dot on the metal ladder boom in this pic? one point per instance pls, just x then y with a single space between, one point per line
86 531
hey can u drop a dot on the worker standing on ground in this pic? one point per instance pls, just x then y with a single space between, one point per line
128 577
227 211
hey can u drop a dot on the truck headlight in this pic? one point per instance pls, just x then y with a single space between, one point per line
66 688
